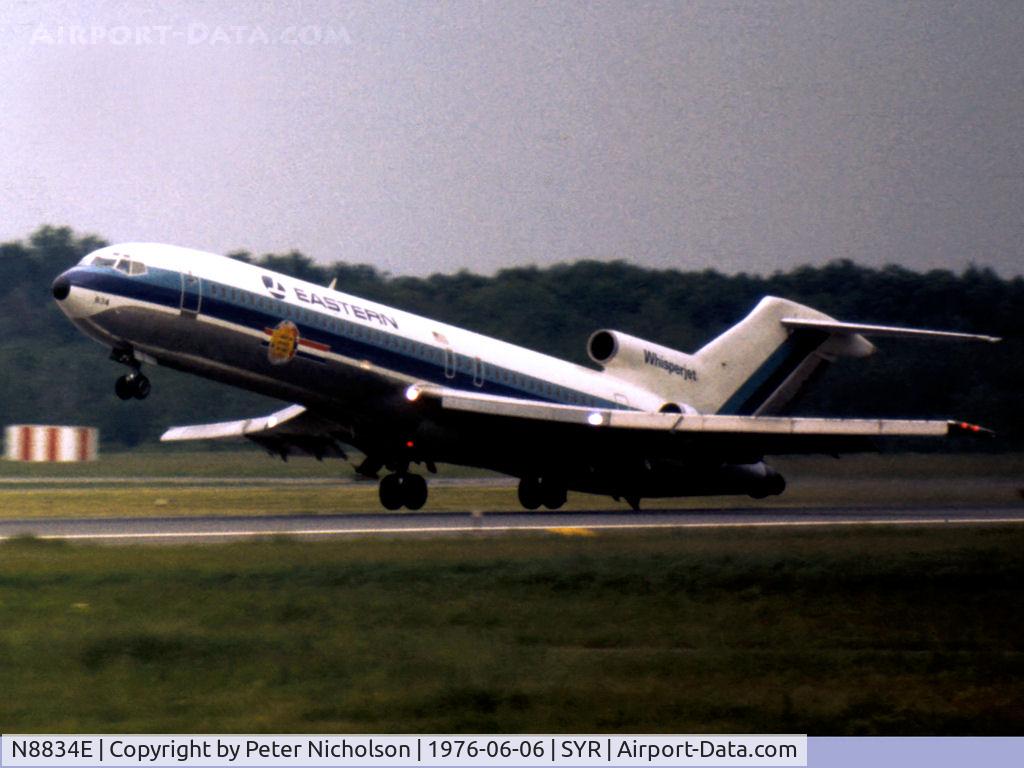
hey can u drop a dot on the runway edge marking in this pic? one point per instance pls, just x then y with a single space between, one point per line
500 529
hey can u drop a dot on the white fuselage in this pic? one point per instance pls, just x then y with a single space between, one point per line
133 294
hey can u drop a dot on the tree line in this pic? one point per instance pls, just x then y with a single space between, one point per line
53 374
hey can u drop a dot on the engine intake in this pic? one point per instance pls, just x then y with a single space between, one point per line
666 372
602 347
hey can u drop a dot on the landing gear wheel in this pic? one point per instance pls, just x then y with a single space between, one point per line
415 491
531 494
141 387
555 495
391 492
123 388
403 490
132 385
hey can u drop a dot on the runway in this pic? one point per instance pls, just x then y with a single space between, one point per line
177 530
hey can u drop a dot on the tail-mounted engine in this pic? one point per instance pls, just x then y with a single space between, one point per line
666 372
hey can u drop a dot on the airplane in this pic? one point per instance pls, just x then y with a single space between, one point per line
647 422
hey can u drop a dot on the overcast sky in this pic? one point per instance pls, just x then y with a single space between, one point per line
433 137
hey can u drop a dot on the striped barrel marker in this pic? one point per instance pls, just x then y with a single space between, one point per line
42 442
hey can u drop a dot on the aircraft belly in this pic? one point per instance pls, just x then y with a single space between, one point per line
592 461
95 331
240 358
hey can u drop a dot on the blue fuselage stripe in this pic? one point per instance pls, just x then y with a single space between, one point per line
770 375
340 335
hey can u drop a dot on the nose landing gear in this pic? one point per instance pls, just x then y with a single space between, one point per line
134 384
401 489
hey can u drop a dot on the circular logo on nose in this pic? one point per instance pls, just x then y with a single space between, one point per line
284 341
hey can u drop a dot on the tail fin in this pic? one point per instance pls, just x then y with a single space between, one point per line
757 366
753 369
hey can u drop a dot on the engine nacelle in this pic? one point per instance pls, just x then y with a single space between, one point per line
670 479
666 372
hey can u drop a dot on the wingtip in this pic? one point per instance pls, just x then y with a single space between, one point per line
966 428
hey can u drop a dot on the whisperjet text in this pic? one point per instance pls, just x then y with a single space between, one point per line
653 358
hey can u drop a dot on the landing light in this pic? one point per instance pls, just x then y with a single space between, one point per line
412 393
595 419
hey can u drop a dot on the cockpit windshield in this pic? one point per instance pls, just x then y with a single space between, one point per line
120 262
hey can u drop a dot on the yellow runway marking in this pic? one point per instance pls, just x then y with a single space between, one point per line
573 531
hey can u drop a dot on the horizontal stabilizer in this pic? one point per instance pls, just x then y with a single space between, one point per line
848 329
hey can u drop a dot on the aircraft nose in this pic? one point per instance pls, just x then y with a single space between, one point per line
61 287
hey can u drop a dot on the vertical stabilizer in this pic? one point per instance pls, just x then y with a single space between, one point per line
757 366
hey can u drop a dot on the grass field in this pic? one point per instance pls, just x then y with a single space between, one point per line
853 631
857 631
250 483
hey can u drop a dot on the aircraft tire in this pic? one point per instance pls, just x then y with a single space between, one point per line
141 387
554 494
530 493
414 491
124 388
391 492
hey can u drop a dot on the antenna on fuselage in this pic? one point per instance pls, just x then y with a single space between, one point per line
334 282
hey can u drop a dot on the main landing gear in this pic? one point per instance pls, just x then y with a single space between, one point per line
535 491
401 489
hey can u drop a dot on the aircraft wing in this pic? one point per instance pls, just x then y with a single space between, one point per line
725 434
290 430
295 430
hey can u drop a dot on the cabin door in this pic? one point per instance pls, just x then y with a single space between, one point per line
191 294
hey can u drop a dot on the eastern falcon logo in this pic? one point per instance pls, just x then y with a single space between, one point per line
274 287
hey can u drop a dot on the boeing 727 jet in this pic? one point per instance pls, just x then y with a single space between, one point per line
407 391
